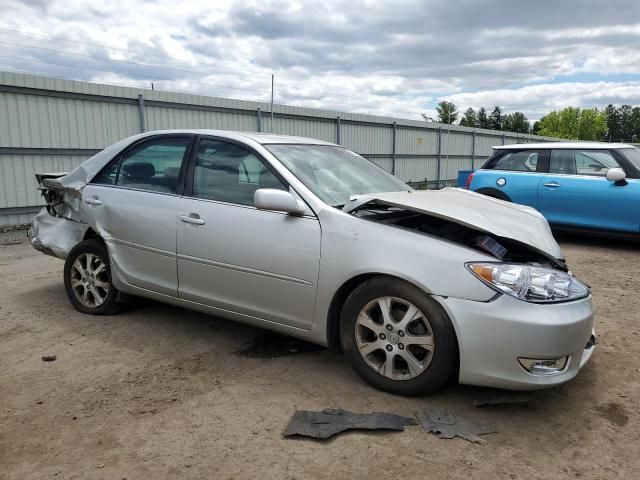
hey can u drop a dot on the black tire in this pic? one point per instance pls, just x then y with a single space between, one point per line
82 252
443 359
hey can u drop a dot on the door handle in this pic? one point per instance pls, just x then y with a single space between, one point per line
193 219
551 184
93 201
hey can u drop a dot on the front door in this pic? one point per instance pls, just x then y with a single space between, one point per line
576 192
134 206
235 257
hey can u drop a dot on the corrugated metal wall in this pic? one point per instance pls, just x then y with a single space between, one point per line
49 124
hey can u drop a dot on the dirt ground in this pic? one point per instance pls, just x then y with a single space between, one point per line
160 392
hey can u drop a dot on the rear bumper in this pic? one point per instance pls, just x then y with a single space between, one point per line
55 236
493 335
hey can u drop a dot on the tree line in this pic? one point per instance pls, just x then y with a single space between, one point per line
609 124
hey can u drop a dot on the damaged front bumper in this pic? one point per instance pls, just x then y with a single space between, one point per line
495 337
55 236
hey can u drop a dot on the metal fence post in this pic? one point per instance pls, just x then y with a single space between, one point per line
393 149
438 158
259 118
473 149
503 138
141 112
338 136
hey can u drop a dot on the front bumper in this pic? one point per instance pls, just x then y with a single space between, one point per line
492 335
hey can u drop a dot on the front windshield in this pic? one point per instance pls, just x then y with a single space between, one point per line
633 155
334 173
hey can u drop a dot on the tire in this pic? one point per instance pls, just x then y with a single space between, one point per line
90 291
396 340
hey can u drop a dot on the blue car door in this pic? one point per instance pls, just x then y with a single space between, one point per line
515 174
576 192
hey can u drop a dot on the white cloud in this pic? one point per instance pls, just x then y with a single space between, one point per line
536 100
392 58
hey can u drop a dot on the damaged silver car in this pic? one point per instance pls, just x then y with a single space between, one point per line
312 240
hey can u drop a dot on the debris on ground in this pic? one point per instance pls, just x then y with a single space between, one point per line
446 425
330 421
501 397
274 345
49 358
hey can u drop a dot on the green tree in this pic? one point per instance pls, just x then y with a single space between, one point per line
592 124
614 127
447 112
549 125
626 122
482 118
516 122
575 123
536 128
470 118
635 124
495 119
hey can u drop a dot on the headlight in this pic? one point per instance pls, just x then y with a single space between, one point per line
532 284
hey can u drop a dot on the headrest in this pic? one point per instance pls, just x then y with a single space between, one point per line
140 169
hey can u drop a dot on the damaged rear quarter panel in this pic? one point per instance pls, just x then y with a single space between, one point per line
56 236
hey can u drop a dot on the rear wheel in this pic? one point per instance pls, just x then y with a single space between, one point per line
397 338
87 279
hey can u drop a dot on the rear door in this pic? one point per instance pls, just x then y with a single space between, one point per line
576 192
235 257
133 203
514 173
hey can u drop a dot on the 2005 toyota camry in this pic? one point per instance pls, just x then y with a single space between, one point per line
312 240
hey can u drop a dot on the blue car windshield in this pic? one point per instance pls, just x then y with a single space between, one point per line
334 173
633 155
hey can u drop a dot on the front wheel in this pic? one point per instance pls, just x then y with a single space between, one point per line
397 338
87 279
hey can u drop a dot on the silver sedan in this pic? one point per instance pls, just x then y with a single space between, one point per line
312 240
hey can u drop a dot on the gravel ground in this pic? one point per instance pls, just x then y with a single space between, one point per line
161 392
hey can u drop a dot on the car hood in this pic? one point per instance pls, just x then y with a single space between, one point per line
503 219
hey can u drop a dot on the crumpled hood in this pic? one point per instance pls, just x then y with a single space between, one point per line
503 219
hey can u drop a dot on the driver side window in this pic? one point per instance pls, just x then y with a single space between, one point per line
582 162
229 173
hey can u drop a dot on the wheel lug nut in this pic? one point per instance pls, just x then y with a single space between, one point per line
401 346
382 336
389 327
389 348
400 333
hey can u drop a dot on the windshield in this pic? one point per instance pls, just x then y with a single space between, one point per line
633 155
334 173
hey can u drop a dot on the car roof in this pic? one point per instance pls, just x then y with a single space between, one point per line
260 137
580 145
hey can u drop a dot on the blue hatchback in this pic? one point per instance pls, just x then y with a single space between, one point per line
581 185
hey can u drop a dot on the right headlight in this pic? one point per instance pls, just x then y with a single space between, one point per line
529 283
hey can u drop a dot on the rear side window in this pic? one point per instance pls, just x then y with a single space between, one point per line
582 162
229 173
522 161
153 166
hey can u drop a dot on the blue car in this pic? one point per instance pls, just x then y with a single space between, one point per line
576 186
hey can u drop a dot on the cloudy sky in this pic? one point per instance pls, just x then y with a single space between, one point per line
398 57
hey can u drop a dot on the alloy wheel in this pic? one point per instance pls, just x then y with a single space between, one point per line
394 338
89 280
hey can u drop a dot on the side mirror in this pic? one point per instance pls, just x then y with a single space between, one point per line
277 200
615 175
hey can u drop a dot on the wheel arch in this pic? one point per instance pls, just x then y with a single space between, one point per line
341 295
494 193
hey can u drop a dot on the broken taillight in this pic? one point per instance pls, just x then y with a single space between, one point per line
468 182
